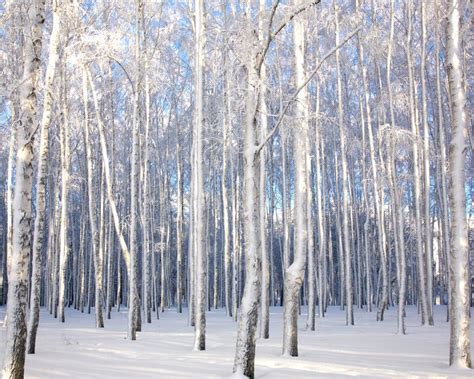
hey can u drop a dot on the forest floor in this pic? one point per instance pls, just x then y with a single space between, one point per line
164 348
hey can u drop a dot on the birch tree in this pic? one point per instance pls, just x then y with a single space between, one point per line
265 254
294 274
416 172
459 346
213 160
39 234
426 171
14 356
198 194
65 181
244 362
98 264
345 190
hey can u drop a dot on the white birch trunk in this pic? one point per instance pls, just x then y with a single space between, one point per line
110 268
426 172
442 147
225 204
179 227
198 195
294 274
376 192
9 196
311 319
235 243
460 344
244 362
108 178
265 301
398 224
285 208
14 355
227 123
98 264
145 212
133 302
320 211
345 192
63 226
416 174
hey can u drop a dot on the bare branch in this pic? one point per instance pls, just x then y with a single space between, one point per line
271 35
308 79
300 9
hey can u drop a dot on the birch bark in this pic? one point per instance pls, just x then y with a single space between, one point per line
294 274
426 171
98 264
39 233
345 191
65 177
198 195
14 355
459 347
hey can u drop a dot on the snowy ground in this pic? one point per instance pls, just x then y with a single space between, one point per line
164 349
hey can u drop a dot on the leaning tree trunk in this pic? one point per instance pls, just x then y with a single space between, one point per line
460 346
108 182
14 355
98 264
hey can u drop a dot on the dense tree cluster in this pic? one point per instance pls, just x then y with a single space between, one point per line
209 154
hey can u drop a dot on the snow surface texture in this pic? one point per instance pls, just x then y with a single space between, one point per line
370 349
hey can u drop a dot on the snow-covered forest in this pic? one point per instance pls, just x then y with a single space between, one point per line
253 188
